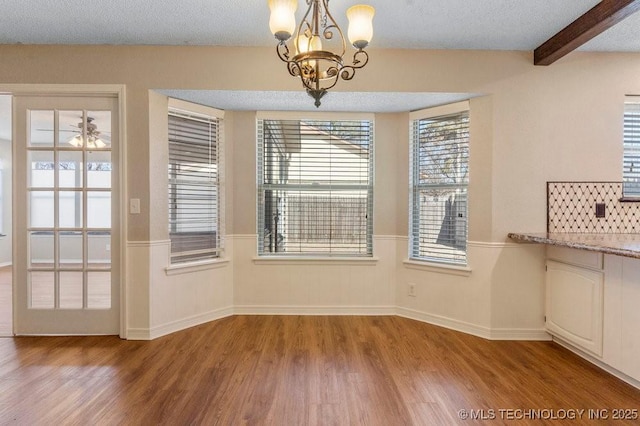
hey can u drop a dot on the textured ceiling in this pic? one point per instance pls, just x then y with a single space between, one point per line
426 24
414 24
333 101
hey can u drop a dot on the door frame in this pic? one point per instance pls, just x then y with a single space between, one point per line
119 91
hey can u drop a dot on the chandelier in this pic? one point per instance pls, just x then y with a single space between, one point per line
319 44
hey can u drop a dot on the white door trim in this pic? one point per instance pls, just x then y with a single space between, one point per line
118 90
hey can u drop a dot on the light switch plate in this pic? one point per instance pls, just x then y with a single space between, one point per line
134 206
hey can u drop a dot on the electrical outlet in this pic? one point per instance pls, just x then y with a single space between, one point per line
412 290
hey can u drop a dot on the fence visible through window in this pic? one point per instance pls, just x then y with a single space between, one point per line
439 181
315 187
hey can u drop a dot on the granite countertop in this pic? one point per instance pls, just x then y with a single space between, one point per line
627 245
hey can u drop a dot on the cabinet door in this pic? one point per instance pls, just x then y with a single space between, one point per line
574 305
630 318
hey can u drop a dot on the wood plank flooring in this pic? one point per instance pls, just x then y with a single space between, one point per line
294 370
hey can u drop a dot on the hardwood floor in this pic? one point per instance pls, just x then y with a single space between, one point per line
293 370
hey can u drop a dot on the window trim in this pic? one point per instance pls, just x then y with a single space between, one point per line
195 266
632 198
191 109
443 268
315 258
314 115
432 264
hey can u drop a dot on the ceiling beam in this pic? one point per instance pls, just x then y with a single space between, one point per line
598 19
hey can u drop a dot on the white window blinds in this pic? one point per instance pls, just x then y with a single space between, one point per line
439 179
194 186
315 187
631 159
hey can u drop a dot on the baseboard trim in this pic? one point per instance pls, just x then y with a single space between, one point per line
609 369
474 329
179 325
138 334
452 324
313 310
528 334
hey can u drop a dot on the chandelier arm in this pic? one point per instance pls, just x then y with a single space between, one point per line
334 80
331 78
305 27
294 68
283 51
347 72
311 83
332 72
360 59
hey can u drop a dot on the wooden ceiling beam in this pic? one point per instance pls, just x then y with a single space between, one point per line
598 19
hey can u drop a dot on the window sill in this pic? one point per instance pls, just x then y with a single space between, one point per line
441 268
301 260
185 268
629 199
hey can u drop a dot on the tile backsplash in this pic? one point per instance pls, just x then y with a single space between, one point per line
571 207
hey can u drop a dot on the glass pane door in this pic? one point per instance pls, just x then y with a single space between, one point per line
68 148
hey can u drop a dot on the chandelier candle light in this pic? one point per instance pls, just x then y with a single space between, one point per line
317 57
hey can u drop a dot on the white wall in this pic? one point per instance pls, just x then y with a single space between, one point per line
187 298
534 124
312 286
165 299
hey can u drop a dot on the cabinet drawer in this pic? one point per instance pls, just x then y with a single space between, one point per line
588 259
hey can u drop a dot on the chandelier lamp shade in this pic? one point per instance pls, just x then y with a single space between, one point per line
318 45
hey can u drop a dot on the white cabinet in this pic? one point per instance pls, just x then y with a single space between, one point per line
593 303
622 315
574 305
630 318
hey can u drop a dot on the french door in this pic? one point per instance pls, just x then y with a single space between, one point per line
66 220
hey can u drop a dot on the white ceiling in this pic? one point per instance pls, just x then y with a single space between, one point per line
426 24
300 101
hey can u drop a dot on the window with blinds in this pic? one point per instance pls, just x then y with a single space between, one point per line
194 186
631 157
439 178
315 187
